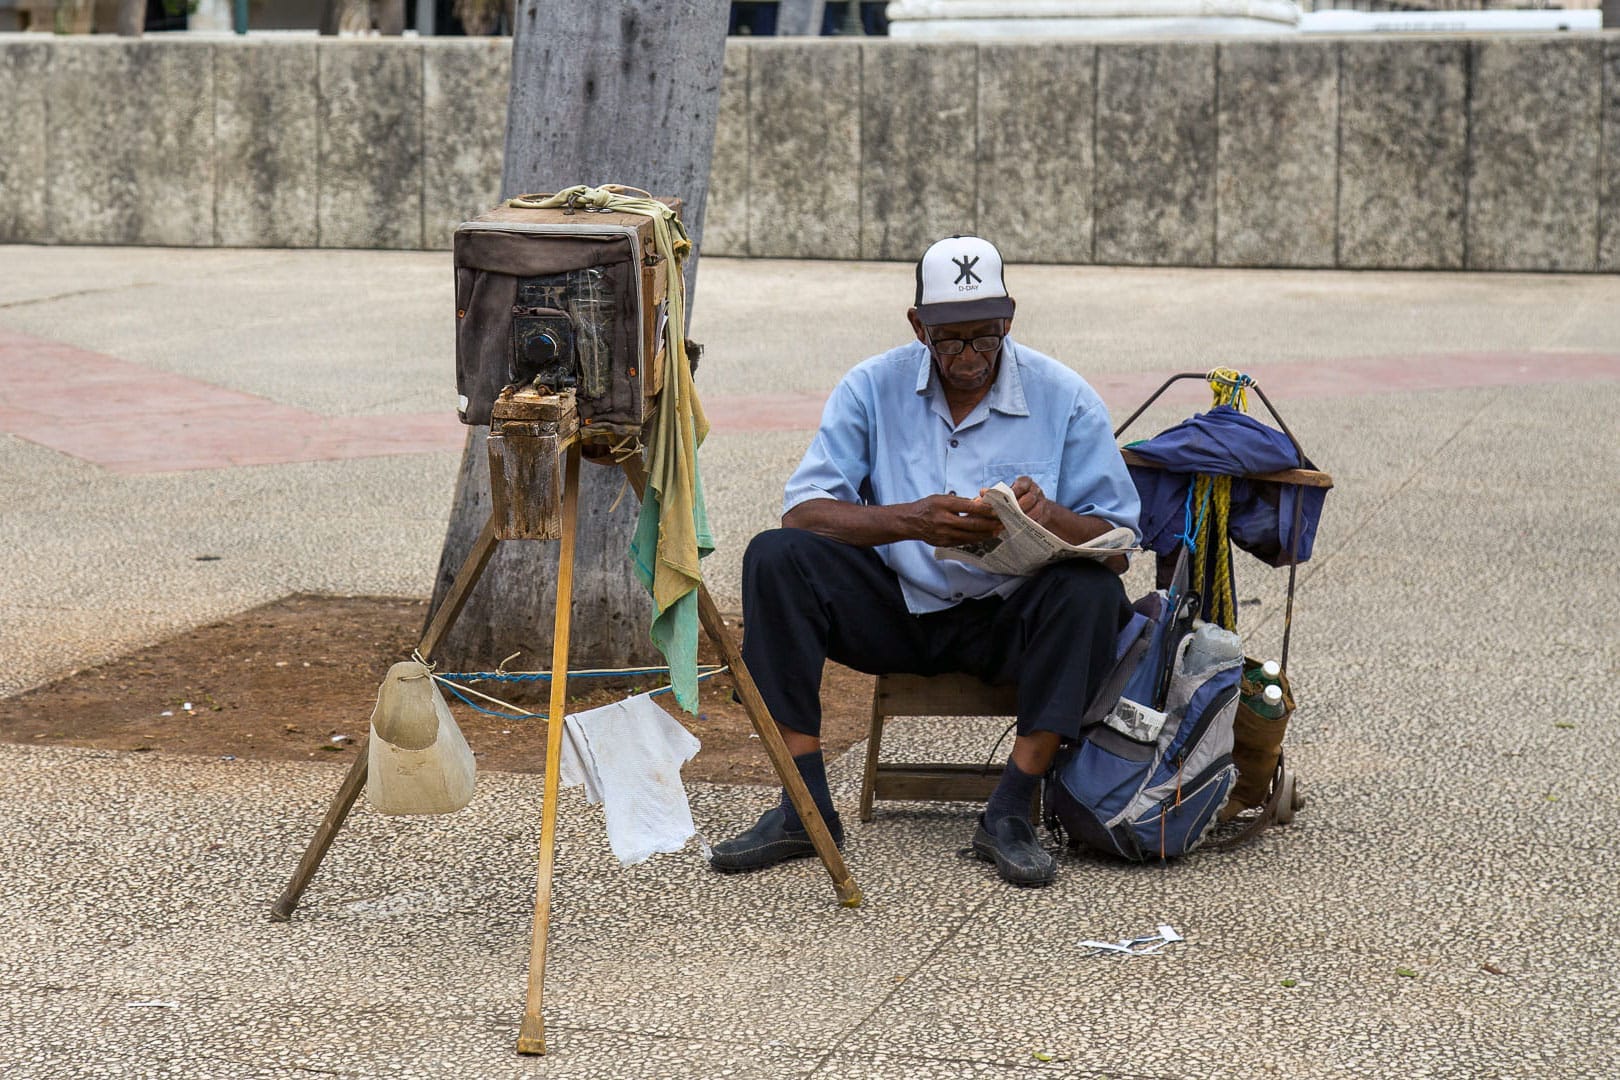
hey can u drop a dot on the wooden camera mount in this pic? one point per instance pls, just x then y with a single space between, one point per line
537 439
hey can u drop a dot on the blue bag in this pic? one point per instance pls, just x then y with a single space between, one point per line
1224 441
1149 779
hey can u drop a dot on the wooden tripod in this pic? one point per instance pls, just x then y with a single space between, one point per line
531 1033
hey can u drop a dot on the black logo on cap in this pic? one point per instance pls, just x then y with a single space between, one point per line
966 265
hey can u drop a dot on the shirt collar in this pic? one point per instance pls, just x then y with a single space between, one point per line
1006 393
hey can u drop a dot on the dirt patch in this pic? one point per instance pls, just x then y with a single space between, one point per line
296 680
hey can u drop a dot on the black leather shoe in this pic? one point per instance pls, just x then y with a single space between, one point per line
1012 846
767 843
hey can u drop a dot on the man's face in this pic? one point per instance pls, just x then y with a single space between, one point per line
974 368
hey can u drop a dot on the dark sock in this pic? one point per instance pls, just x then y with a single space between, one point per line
813 767
1012 796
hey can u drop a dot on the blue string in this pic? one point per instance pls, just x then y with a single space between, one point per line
1189 532
545 676
471 704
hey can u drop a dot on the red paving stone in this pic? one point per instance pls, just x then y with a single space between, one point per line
133 420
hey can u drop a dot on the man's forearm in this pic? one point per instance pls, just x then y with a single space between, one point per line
853 523
1078 528
1072 527
939 520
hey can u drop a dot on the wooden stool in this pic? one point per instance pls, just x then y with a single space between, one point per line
931 695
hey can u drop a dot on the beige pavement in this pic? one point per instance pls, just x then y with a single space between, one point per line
1456 648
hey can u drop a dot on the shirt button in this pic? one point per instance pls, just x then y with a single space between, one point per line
953 442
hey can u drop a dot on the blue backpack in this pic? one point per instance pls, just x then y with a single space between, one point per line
1149 776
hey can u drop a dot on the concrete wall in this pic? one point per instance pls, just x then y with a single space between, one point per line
1419 152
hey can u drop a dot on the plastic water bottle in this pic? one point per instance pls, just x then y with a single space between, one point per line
1266 697
1271 703
1262 675
1268 702
1210 647
1257 737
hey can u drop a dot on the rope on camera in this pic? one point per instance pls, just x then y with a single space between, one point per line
453 682
623 450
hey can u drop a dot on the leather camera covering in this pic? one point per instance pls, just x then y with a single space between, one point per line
568 299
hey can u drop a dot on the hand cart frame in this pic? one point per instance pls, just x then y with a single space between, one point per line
1284 796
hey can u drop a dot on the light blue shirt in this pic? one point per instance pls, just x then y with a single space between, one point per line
887 437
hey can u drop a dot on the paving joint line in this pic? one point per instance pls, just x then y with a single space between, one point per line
114 997
27 301
1007 1066
684 1038
895 989
1310 570
1318 565
291 1066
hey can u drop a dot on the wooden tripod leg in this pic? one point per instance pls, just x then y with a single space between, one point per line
460 589
849 894
355 782
532 1031
759 714
342 803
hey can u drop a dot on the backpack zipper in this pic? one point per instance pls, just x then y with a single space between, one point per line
1197 784
1205 718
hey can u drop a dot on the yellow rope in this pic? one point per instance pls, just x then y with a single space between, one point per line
1220 605
1223 605
1229 387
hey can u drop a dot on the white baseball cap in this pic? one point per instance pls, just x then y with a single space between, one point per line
959 279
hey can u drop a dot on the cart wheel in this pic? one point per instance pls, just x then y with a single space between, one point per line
1288 799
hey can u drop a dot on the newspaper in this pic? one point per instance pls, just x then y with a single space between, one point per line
1025 546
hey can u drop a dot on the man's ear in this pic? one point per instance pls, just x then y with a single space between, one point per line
916 325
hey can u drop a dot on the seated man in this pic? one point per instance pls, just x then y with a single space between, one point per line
906 443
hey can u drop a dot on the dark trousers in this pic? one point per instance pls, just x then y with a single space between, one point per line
807 599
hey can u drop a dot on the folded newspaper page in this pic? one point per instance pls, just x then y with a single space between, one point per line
1025 546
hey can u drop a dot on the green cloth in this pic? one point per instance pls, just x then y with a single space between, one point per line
674 628
672 532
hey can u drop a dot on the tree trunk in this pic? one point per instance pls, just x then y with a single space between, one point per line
131 17
623 93
72 16
797 18
391 17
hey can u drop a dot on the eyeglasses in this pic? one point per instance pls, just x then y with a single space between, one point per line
954 346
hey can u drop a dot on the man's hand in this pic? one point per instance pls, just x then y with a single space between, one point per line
1059 519
1032 500
949 520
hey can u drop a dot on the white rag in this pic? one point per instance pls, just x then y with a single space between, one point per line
629 757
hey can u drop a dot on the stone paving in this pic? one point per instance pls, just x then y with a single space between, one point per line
1444 906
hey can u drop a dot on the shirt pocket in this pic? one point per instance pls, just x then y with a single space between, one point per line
1043 472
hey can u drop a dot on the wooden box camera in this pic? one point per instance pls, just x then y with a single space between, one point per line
561 299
